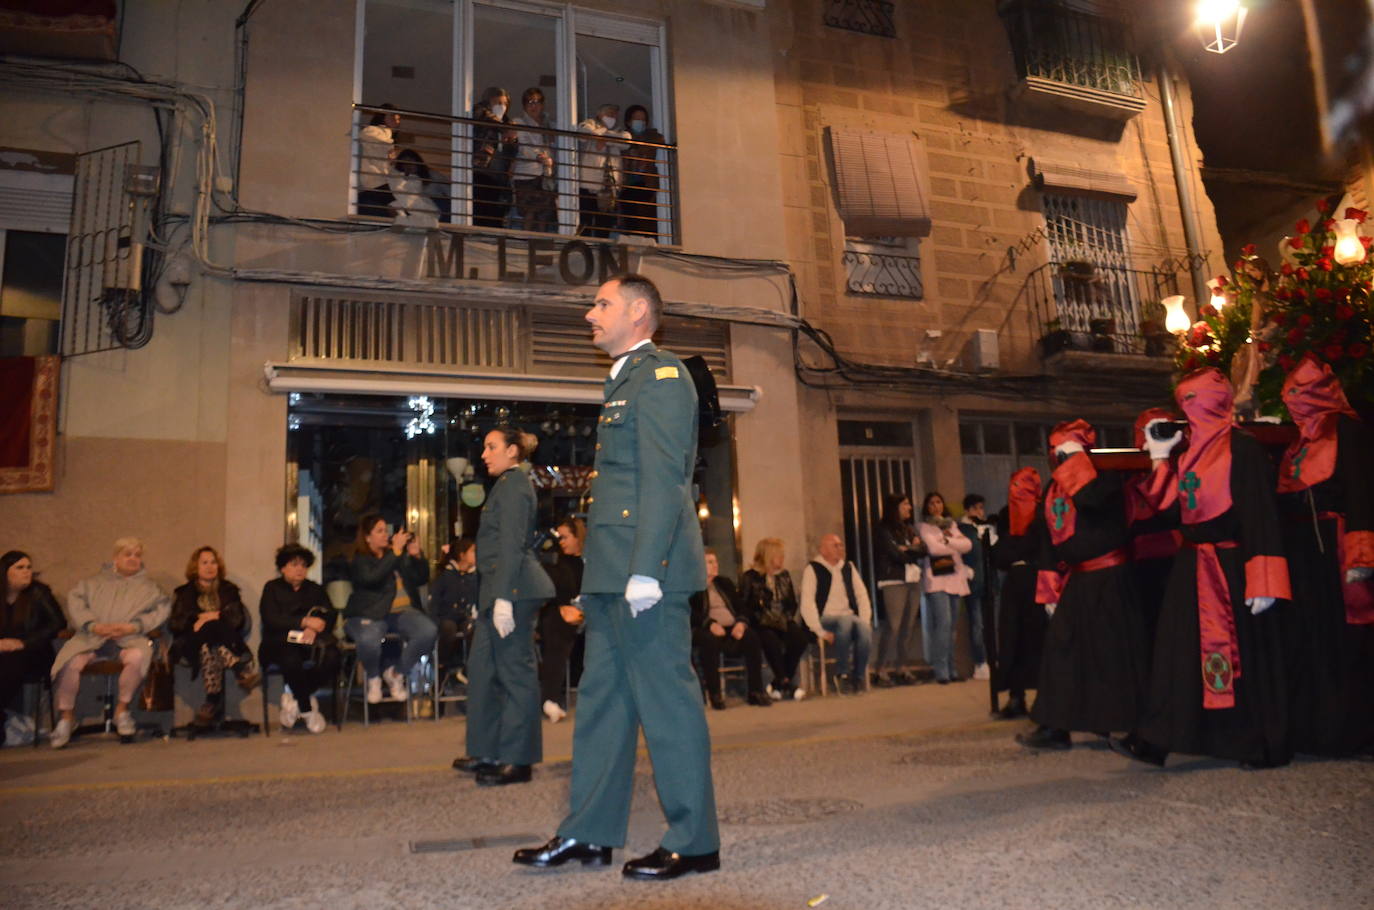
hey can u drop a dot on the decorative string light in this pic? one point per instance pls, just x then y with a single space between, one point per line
423 422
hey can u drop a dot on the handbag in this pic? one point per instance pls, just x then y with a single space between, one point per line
159 688
942 565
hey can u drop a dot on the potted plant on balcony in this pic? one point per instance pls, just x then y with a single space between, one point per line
1103 332
1078 270
1158 341
1055 339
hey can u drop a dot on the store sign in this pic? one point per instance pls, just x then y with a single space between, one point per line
534 261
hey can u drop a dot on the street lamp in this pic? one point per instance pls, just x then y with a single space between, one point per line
1218 24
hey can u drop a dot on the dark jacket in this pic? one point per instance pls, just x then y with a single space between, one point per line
889 559
453 595
979 558
566 575
185 608
491 153
282 607
374 583
42 624
701 606
755 597
505 544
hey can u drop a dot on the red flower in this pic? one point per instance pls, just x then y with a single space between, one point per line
1329 224
1303 226
1302 274
1285 269
1322 293
1280 317
1358 214
1323 206
1328 251
1249 248
1333 352
1325 264
1200 334
1366 241
1357 351
1299 294
1222 280
1294 336
1344 312
1207 310
1304 320
1295 242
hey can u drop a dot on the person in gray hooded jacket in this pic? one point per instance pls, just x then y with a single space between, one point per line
111 614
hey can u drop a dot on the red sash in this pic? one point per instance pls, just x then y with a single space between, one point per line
1358 595
1156 545
1049 583
1216 620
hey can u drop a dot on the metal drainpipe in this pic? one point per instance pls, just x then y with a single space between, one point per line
1191 231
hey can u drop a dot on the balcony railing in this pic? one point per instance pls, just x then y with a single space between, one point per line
871 17
1084 306
1078 56
456 170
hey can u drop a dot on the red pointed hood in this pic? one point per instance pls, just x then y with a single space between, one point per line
1204 469
1316 400
1023 492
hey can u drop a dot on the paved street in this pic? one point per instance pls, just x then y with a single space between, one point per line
901 798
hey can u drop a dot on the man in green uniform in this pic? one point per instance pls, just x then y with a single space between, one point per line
643 561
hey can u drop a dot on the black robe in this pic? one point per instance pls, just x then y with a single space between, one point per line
1152 574
1255 730
1331 661
1020 620
1094 668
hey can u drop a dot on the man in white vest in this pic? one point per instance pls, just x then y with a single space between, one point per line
835 606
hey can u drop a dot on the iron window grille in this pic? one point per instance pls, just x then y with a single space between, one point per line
1053 41
870 17
1092 280
883 267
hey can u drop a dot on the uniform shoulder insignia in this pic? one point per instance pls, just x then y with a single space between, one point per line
665 373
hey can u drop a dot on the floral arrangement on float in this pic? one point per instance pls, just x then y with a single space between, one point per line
1260 323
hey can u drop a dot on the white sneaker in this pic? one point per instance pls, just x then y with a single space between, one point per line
61 734
374 690
773 693
124 724
553 711
396 684
798 694
290 711
981 672
314 718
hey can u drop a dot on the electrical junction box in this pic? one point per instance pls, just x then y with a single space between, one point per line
980 354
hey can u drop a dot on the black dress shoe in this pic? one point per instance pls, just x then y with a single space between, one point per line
717 702
1045 738
500 775
561 849
1015 708
760 700
665 864
1131 746
468 764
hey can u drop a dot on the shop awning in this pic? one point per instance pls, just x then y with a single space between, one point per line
1052 176
881 184
302 377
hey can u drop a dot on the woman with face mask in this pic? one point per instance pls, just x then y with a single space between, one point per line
638 213
599 171
493 149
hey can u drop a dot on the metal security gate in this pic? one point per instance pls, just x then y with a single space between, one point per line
866 478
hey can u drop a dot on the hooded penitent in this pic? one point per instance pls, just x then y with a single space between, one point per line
1204 469
1316 400
1070 476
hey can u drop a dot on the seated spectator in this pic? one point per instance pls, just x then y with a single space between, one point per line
532 170
207 626
838 611
29 621
718 629
387 571
599 171
768 602
111 614
376 149
640 180
944 579
493 148
559 621
410 184
453 598
298 636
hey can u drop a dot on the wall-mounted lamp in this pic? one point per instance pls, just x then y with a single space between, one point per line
1218 24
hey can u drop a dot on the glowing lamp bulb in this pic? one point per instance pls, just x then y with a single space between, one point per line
1349 250
1218 294
1218 24
1175 320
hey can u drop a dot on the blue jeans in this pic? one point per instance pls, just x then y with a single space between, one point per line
974 605
941 608
853 641
417 631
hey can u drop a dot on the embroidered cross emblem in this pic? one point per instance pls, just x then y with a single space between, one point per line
1297 462
1060 508
1189 485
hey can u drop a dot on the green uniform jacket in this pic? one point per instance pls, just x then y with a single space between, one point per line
505 558
641 519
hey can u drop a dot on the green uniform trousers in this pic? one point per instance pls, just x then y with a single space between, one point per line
503 690
638 671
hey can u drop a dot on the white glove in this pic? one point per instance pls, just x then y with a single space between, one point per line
1358 574
1050 608
503 617
1159 449
1068 447
642 592
1258 605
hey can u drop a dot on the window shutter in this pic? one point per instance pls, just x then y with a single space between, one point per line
881 183
1067 178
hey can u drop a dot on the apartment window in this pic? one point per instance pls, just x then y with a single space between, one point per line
1090 264
435 60
30 292
871 17
883 267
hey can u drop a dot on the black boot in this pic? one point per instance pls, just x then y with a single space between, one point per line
1045 738
1015 707
1132 746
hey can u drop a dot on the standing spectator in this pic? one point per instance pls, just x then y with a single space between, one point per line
640 177
493 149
560 622
599 171
207 626
111 614
532 170
1021 621
503 736
718 629
453 598
839 612
981 535
897 555
297 636
376 149
387 574
29 620
944 580
768 602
